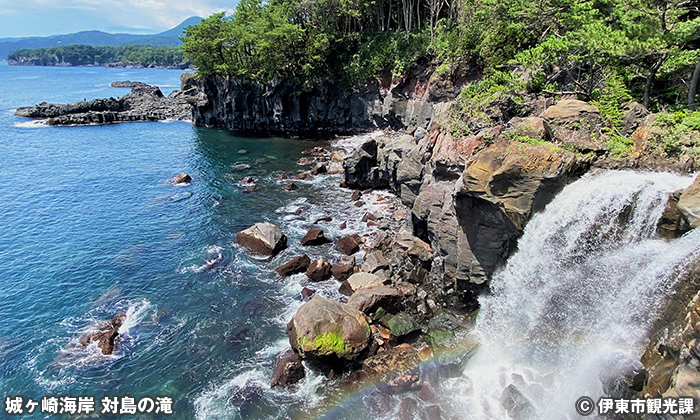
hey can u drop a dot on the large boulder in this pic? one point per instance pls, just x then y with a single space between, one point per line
575 123
375 261
323 328
319 270
369 300
349 244
314 237
672 225
402 324
288 369
689 204
296 265
359 281
262 238
361 169
520 178
344 269
532 127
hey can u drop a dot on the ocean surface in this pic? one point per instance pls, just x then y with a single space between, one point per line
91 227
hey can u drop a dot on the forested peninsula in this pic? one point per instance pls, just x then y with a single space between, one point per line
109 56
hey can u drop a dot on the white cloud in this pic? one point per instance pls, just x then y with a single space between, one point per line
147 15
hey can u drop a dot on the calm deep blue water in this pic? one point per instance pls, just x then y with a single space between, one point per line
91 227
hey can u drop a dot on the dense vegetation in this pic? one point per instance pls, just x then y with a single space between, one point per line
647 49
87 55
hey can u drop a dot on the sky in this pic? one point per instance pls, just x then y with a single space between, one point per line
26 18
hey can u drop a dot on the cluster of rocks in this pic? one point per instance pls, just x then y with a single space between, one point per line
143 103
468 200
383 331
320 160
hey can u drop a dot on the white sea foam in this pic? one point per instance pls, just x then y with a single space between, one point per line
31 124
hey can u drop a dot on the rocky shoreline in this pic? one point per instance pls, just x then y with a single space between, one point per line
143 103
461 204
411 302
412 295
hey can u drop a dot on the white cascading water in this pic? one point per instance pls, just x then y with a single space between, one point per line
576 298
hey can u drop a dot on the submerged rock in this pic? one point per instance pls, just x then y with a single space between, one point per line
397 369
126 84
304 176
516 404
290 186
107 333
182 178
247 394
324 328
262 238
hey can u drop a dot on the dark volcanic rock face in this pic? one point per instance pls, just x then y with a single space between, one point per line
283 107
143 103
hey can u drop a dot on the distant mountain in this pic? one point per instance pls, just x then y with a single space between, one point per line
171 37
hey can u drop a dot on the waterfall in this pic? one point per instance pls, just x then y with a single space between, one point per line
576 298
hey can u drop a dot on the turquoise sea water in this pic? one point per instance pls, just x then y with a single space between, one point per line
91 227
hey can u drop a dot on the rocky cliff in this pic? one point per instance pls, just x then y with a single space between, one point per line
281 106
468 200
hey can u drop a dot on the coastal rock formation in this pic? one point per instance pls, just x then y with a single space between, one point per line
359 281
349 244
262 238
107 333
344 268
324 328
281 106
468 203
369 300
671 358
143 103
182 178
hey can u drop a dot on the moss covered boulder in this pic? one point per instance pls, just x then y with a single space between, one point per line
323 328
